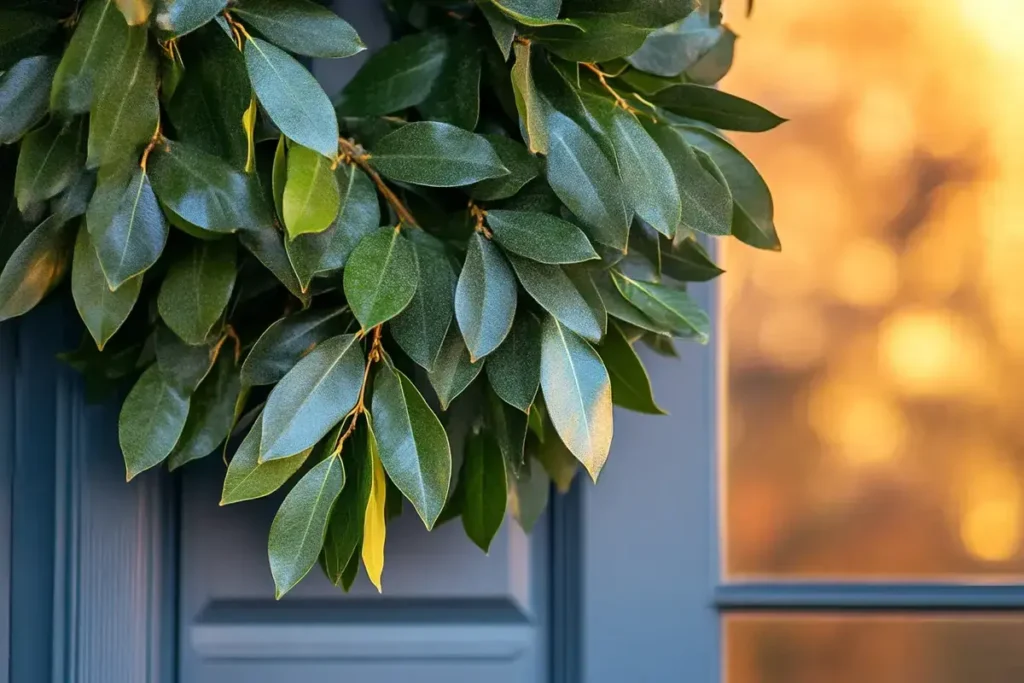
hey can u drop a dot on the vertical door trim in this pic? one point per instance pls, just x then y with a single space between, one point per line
89 561
565 513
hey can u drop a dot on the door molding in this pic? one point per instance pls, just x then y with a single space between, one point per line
89 561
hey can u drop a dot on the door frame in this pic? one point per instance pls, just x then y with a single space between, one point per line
89 559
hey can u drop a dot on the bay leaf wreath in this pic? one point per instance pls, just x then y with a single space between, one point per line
463 248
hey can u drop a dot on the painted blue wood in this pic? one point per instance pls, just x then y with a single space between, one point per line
783 596
89 576
32 502
8 360
650 549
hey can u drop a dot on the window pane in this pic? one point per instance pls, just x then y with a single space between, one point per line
875 420
875 650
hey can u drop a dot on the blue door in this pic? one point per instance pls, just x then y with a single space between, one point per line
152 582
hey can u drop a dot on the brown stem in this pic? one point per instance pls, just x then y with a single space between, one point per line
603 78
158 135
237 29
353 153
479 216
375 354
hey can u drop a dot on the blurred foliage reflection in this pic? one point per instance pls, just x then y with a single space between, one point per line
875 420
875 650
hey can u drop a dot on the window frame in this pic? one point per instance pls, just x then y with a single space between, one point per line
788 598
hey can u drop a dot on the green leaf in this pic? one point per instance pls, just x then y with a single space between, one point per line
586 181
13 225
618 307
197 288
647 13
528 101
381 276
348 576
555 292
286 341
455 96
279 175
211 413
207 106
136 12
688 262
301 26
540 237
413 444
175 18
706 203
647 176
668 307
205 190
74 201
103 311
533 9
716 63
528 496
523 167
265 243
583 280
483 475
436 155
326 252
754 210
513 370
577 393
375 519
247 478
503 29
311 199
509 427
398 76
125 112
592 38
453 369
485 299
421 328
152 418
23 93
22 34
183 366
35 267
128 229
313 397
631 387
297 532
51 159
718 108
345 530
558 462
94 47
671 50
292 98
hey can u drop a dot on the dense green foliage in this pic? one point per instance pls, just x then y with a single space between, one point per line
429 290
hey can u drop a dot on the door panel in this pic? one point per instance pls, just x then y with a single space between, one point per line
449 612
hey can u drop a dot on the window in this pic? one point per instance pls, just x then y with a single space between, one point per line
873 466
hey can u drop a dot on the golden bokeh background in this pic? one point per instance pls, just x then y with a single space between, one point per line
875 382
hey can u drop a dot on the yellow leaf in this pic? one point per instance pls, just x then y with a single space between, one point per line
374 528
249 124
136 12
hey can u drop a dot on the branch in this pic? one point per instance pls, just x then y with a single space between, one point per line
375 354
353 153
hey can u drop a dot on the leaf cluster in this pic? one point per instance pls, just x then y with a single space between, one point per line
428 289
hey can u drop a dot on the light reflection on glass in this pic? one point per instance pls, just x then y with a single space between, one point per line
876 650
875 420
